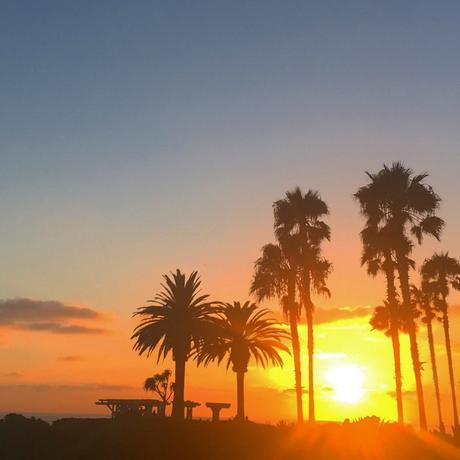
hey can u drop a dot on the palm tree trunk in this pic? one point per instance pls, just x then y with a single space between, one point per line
297 366
240 396
429 328
398 374
417 373
311 390
394 331
179 385
403 271
293 315
445 322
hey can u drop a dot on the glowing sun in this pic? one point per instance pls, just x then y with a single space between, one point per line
346 382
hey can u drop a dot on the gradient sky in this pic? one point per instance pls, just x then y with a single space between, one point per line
138 138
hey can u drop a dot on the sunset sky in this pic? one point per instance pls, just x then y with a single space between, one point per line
141 137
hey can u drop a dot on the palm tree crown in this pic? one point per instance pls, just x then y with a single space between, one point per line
245 331
301 214
176 320
273 272
398 198
441 272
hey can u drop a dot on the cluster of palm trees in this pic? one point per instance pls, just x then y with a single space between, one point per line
399 209
186 324
292 269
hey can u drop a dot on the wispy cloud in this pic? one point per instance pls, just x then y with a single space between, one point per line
70 358
11 375
85 387
324 355
47 316
411 394
329 315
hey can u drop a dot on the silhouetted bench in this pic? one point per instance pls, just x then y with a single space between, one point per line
189 406
216 408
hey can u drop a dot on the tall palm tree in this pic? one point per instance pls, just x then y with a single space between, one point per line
405 205
244 331
275 275
423 298
377 256
178 318
442 272
162 386
301 215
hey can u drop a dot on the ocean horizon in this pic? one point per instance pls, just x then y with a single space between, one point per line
53 416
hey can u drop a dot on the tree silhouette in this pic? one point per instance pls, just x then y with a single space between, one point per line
377 256
423 299
244 331
178 318
300 214
440 273
161 385
403 204
275 274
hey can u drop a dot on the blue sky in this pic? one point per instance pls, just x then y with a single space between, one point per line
163 131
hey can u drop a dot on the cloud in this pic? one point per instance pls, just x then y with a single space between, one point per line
85 387
47 316
11 374
70 358
411 394
62 328
293 391
324 355
329 315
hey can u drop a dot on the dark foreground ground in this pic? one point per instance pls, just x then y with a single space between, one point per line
148 439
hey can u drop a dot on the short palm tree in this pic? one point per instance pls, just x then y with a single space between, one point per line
442 272
177 320
275 274
423 298
162 386
244 331
301 215
403 204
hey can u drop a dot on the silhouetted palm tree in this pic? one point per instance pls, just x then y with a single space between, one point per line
423 298
244 331
300 214
161 385
275 275
178 318
377 256
442 272
401 202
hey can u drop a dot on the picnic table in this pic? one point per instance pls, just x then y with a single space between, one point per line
216 408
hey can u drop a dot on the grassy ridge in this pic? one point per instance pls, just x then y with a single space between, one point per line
148 439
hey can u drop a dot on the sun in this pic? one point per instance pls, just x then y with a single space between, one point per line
346 382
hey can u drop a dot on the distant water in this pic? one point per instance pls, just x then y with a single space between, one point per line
52 416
